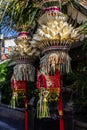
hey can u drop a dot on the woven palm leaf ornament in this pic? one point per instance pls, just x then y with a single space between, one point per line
22 54
55 36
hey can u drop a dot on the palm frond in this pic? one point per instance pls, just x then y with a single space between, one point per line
19 13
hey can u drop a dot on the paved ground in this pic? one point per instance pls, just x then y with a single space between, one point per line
11 119
4 126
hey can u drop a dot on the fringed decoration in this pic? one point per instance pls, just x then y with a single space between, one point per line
24 72
59 59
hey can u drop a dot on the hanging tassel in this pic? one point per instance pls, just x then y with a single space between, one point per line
42 105
14 100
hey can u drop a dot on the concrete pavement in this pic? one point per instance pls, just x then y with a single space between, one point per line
4 126
11 119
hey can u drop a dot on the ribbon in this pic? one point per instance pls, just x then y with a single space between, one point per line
23 33
52 9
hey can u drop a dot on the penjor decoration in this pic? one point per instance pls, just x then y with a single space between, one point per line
54 37
24 56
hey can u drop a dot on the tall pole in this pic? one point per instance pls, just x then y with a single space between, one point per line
26 110
60 106
26 114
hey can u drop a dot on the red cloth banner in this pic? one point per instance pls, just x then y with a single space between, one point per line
18 85
41 81
55 79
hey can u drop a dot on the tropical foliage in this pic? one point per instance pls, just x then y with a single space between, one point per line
3 72
77 80
5 76
18 14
